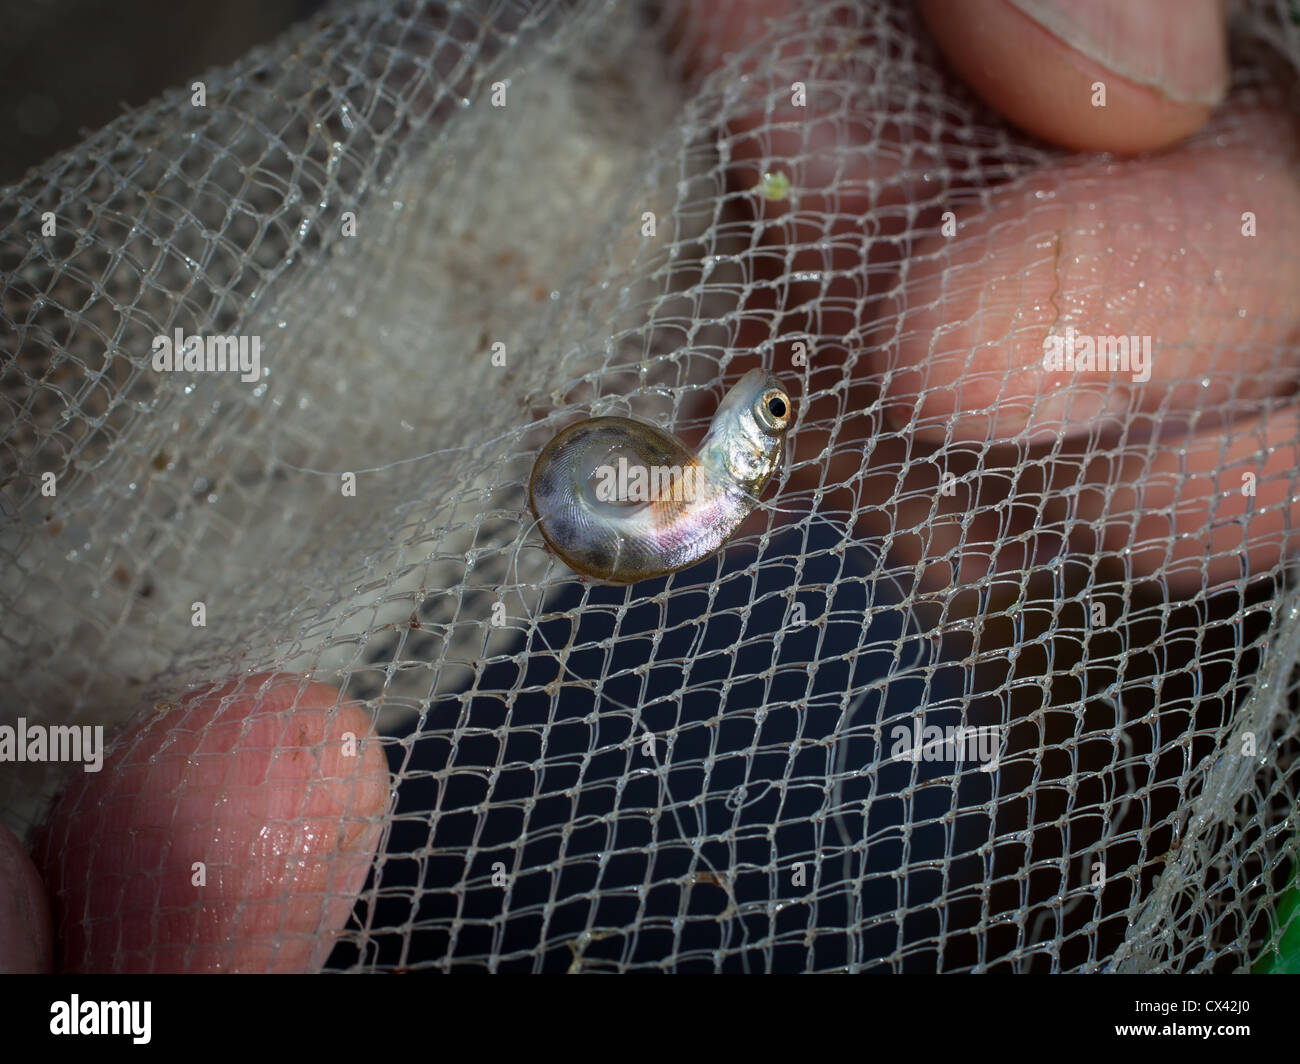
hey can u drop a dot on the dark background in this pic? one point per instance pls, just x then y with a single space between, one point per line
71 66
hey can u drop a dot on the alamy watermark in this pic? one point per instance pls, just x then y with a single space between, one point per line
1073 352
955 744
637 483
53 742
209 354
77 1017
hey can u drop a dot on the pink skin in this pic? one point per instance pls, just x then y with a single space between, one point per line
1147 248
26 943
1045 87
1152 246
262 791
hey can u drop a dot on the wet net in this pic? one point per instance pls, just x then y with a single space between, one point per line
455 228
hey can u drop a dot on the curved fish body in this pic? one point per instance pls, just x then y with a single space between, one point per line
621 500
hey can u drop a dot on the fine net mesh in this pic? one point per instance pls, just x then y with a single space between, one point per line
697 772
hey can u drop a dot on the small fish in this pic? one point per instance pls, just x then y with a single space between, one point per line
622 500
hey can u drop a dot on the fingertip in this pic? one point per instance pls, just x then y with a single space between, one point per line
1133 86
26 936
230 833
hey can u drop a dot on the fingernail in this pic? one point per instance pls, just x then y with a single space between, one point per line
1177 47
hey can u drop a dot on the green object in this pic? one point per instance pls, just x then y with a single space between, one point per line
1282 956
775 186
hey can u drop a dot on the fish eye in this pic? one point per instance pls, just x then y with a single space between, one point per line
773 409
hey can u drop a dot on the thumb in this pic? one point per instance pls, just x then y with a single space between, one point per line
1107 75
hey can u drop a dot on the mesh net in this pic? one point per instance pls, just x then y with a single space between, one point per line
700 771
